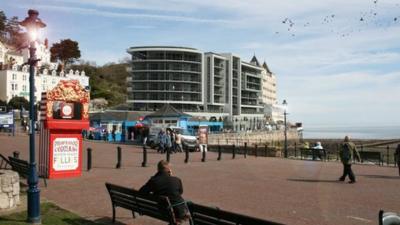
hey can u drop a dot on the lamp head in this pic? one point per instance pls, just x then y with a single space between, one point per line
32 23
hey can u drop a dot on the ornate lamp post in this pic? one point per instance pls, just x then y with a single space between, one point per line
32 23
284 104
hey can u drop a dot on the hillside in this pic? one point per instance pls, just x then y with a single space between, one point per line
108 81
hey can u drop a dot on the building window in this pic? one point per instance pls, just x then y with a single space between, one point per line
23 87
14 76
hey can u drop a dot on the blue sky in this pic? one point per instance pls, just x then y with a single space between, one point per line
337 62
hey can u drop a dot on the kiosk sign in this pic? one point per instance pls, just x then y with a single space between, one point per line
65 154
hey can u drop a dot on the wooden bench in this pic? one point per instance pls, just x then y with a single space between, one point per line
158 207
4 163
374 156
314 153
204 215
22 168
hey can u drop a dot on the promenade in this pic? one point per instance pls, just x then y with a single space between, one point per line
287 191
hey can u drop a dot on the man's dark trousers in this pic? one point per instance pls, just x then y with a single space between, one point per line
347 171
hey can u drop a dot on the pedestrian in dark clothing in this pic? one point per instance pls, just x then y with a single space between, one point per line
347 151
397 156
113 135
163 183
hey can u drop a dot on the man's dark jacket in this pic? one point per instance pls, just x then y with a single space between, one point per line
164 184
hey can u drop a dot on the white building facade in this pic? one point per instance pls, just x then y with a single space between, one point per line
14 75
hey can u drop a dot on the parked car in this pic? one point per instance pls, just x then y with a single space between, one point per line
189 141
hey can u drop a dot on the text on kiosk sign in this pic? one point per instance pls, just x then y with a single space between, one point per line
65 154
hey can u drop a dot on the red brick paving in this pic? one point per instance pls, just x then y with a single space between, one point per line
287 191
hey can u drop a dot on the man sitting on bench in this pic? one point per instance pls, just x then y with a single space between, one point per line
163 183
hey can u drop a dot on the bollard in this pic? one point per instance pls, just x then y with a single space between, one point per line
16 154
144 156
203 158
168 154
266 150
362 149
233 152
255 151
245 150
337 152
387 155
118 166
295 149
219 152
89 159
186 155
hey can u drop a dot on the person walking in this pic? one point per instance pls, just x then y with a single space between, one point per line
397 156
163 183
346 153
178 141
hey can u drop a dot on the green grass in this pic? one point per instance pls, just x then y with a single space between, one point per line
51 214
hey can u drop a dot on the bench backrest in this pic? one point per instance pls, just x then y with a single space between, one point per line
154 206
204 215
20 166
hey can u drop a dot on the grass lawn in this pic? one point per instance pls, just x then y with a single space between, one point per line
51 214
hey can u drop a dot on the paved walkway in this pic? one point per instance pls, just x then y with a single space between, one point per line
287 191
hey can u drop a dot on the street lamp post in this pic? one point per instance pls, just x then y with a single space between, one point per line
284 103
32 23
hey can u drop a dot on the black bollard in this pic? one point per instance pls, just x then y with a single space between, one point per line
337 152
219 152
295 149
233 152
387 155
144 156
118 166
186 155
255 151
89 159
266 150
168 154
16 154
245 149
362 149
203 158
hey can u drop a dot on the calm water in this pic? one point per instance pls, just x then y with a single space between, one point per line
378 132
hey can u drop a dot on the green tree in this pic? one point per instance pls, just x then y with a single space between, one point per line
65 52
18 102
3 21
14 31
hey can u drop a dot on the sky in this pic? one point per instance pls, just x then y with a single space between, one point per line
337 63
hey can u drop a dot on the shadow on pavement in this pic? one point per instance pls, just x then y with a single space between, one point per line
102 221
380 176
107 220
313 180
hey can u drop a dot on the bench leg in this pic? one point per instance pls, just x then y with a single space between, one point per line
133 215
113 211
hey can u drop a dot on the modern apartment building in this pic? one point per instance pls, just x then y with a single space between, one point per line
202 84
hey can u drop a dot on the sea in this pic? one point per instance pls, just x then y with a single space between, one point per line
354 132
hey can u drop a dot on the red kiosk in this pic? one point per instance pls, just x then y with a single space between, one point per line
64 113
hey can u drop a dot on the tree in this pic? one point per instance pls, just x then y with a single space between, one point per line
14 31
65 52
3 21
18 102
